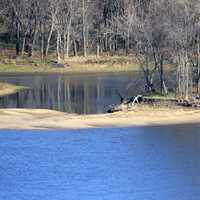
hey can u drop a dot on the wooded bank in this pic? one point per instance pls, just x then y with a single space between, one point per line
156 32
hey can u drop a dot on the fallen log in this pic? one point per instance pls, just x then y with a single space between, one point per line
125 103
135 99
114 109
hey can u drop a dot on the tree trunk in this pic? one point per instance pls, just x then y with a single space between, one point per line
183 75
187 78
68 39
49 38
163 88
198 69
115 43
149 87
23 45
18 38
64 46
68 44
42 39
84 29
58 47
127 43
33 43
98 50
75 48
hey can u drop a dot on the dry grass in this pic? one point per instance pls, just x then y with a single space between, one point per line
103 61
9 63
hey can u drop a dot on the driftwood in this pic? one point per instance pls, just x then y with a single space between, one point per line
132 101
194 103
135 99
125 102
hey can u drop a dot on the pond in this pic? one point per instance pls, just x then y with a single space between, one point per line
82 94
101 164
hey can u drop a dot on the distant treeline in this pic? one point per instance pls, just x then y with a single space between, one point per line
156 31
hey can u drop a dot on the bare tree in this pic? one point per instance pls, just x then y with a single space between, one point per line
53 11
182 32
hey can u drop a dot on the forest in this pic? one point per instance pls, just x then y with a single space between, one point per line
158 33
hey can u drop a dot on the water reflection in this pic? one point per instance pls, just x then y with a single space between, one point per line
73 94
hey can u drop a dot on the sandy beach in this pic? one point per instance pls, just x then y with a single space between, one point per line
47 119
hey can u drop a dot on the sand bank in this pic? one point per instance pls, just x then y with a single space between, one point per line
48 119
7 89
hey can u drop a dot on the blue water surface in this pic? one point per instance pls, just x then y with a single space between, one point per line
152 163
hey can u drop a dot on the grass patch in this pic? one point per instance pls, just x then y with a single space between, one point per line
157 95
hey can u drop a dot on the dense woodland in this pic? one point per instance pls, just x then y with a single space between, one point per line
156 32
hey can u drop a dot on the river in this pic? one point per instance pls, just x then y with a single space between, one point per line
153 163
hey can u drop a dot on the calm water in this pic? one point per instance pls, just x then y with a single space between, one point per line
74 94
158 163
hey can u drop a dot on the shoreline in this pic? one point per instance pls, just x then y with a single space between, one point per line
72 65
37 119
70 73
